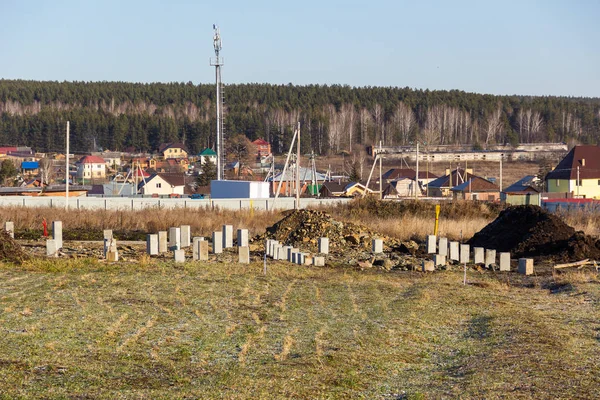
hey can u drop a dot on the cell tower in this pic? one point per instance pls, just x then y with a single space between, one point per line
217 62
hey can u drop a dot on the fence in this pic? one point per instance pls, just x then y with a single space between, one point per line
125 203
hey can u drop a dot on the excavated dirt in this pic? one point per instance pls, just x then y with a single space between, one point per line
11 251
530 231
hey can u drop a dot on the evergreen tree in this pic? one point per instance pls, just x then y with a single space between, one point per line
208 173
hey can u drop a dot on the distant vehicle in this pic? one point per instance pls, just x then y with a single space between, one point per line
197 196
174 196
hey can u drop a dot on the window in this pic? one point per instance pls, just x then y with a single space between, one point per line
158 185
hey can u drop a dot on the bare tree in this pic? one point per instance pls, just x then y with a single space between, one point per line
493 126
47 171
403 122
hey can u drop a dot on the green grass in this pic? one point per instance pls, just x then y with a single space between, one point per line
85 329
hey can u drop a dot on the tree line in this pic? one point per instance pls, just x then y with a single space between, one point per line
335 118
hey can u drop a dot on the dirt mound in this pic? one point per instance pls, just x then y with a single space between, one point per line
530 231
305 227
11 251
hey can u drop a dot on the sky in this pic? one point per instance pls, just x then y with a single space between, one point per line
527 47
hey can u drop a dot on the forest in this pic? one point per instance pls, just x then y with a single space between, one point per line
334 118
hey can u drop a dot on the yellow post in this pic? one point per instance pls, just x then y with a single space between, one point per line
437 219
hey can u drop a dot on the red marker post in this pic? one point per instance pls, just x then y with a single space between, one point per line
45 225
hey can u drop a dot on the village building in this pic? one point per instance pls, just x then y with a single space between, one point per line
91 167
163 184
206 155
578 173
522 192
476 188
263 148
441 186
173 150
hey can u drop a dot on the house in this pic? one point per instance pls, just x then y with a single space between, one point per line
173 150
306 176
476 188
522 192
263 148
333 189
112 158
359 189
395 174
578 173
30 167
91 167
207 154
441 186
163 184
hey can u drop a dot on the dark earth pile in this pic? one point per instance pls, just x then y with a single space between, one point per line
11 251
304 228
530 231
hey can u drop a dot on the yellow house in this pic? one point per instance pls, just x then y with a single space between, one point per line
578 173
173 150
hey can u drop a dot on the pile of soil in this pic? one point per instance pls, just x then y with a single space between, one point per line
530 231
11 251
303 228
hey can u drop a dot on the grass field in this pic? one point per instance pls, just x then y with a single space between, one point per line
83 329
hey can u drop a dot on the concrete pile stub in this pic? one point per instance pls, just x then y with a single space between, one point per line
308 260
439 260
51 249
454 251
163 243
319 261
200 249
57 230
186 236
490 257
377 246
465 253
284 253
428 266
152 244
242 237
431 244
443 247
504 261
179 256
174 238
478 255
291 252
108 234
526 266
217 242
324 245
294 258
244 254
227 236
9 227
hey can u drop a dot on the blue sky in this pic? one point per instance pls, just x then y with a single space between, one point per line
504 47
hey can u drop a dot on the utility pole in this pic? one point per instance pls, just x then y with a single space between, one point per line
577 183
417 173
380 173
298 170
67 171
501 155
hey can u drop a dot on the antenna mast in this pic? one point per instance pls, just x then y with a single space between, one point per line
217 62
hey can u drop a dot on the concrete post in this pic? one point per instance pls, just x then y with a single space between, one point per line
284 253
242 237
57 234
308 260
163 245
465 253
504 261
377 246
431 244
244 254
490 257
428 266
268 247
443 247
526 266
174 238
179 256
478 253
217 242
227 236
152 244
186 235
291 252
9 227
51 249
454 251
108 234
319 261
324 245
272 247
439 260
295 257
